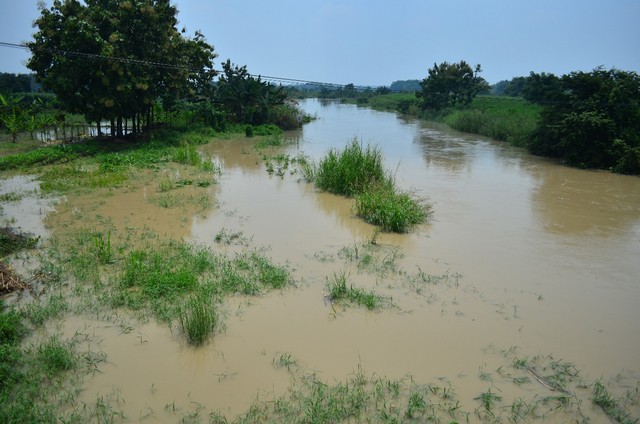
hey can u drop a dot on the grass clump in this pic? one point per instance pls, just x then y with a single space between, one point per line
610 406
351 171
11 241
340 291
358 172
389 209
198 318
56 356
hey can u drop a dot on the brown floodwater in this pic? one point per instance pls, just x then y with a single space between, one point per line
547 257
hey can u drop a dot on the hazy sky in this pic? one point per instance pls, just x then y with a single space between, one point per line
375 42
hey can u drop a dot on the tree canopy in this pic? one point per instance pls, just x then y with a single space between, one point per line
111 60
589 119
450 84
246 99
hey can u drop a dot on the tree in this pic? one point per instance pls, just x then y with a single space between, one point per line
15 83
514 87
12 115
245 98
542 88
590 119
113 60
450 84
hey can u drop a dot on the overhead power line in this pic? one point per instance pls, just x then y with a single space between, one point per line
169 65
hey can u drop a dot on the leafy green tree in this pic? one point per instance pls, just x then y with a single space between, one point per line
405 86
592 120
450 84
15 83
542 88
246 99
514 87
113 60
12 115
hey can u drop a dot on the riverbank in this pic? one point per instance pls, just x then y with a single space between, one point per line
510 119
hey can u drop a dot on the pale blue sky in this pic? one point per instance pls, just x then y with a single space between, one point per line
375 42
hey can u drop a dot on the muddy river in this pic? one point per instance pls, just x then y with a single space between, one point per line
538 258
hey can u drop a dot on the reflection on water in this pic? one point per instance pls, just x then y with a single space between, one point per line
577 202
25 210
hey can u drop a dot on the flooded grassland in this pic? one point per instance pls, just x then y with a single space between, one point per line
517 302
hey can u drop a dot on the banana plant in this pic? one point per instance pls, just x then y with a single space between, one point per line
12 115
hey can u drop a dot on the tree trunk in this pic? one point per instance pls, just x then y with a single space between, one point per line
119 124
113 128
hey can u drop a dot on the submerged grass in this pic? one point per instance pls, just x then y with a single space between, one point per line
611 406
172 281
11 241
34 378
339 291
361 398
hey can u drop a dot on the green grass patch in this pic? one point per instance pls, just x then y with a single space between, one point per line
56 356
360 398
30 375
11 327
352 170
502 118
274 140
395 102
340 291
267 130
165 279
12 241
358 172
389 209
105 163
198 318
611 406
187 155
10 197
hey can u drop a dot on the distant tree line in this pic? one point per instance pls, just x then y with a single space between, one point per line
18 83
